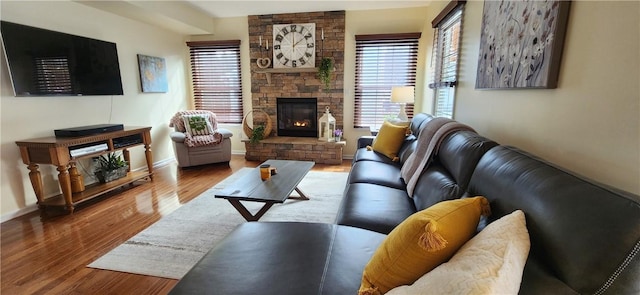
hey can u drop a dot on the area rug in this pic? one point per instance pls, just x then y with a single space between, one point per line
171 246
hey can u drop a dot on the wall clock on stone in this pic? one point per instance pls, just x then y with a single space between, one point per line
294 46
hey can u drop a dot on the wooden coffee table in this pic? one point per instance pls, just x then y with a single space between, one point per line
275 190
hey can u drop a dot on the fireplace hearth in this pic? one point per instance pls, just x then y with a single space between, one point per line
297 117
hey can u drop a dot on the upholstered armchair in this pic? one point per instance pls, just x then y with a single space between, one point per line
197 140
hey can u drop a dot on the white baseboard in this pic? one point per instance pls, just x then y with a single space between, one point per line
17 213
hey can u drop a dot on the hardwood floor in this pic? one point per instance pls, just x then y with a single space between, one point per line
50 256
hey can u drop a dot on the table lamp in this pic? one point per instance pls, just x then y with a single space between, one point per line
402 95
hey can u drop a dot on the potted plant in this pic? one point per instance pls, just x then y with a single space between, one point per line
324 72
338 135
257 135
111 167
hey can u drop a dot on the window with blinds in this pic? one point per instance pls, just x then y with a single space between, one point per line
383 61
446 52
216 78
52 75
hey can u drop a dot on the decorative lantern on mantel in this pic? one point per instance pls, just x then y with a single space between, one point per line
326 126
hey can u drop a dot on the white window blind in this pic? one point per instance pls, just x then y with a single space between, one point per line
446 52
383 61
216 78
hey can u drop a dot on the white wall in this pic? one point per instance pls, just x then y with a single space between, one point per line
31 117
591 123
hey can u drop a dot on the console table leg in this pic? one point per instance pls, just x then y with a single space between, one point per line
36 182
127 155
149 156
65 185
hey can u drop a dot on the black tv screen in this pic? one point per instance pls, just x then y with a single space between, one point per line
43 62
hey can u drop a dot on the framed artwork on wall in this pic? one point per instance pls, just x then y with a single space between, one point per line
153 73
521 44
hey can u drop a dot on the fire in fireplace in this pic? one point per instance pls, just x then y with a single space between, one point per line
297 117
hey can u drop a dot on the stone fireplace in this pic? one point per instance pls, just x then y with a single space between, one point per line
297 117
269 86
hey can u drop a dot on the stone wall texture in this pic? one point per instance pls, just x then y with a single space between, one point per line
302 84
298 85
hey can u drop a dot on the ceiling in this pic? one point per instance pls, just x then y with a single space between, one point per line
228 8
194 17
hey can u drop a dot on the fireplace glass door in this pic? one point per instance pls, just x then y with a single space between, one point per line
297 117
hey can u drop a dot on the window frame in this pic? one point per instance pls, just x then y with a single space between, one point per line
377 73
216 84
444 74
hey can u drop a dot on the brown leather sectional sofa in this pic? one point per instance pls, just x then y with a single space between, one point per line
585 237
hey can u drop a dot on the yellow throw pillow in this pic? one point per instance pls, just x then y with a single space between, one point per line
492 262
422 242
389 140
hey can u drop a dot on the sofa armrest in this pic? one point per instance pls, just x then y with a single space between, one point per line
226 133
177 136
364 141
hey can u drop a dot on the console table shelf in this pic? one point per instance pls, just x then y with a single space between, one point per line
96 189
57 151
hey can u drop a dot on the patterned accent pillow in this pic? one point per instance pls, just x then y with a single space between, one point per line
197 124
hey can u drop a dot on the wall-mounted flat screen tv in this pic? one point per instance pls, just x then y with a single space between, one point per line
43 62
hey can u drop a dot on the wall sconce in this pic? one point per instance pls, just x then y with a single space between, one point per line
402 95
263 62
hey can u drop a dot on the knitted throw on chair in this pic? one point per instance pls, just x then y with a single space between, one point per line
429 139
215 137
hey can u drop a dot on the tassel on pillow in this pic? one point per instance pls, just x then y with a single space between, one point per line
370 291
431 240
485 207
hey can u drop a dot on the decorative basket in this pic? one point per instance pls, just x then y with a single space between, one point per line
263 118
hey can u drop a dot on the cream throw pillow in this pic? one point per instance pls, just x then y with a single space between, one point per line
492 262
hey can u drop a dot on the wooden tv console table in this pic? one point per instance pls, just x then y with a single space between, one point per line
57 151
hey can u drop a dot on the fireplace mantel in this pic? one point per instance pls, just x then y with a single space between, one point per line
269 71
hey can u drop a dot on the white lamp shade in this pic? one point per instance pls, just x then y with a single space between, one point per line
402 94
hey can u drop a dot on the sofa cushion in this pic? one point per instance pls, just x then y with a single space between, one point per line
422 242
490 263
581 232
362 154
460 152
389 140
447 177
434 186
374 207
376 173
417 121
283 258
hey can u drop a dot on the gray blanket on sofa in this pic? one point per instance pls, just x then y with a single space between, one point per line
431 135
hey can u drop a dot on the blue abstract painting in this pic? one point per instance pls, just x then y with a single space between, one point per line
153 73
